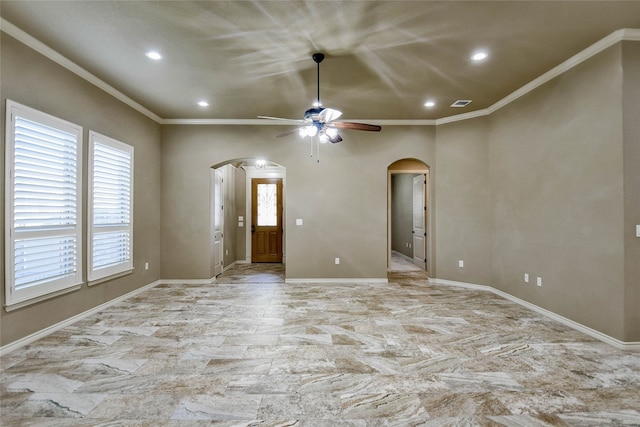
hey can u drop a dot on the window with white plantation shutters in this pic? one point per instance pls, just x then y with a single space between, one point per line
110 207
43 204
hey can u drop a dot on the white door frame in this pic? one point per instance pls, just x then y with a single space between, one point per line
217 234
419 231
429 239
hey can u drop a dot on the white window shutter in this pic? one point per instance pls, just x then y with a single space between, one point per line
111 204
43 220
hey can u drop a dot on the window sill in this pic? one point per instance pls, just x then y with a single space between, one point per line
110 277
22 304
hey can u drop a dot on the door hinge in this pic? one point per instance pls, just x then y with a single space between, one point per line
425 234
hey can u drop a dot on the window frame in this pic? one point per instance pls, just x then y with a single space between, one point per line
45 288
95 276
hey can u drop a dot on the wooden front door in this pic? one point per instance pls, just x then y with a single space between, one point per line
266 220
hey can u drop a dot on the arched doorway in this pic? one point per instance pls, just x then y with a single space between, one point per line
408 216
232 209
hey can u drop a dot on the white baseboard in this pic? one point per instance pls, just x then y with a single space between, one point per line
226 267
53 328
622 345
187 281
337 281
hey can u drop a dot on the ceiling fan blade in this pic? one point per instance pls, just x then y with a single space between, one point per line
289 132
335 139
281 119
357 126
328 114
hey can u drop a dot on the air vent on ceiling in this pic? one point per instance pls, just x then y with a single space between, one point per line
461 103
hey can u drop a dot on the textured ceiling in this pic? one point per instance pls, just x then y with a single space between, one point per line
384 59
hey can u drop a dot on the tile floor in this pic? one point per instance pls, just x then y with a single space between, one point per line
243 352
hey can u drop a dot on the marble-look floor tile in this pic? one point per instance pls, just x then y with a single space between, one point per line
217 408
136 406
58 405
251 350
383 406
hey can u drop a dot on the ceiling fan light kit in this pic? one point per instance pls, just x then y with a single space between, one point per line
321 122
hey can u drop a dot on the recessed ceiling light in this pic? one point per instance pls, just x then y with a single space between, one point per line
152 54
203 103
479 56
430 104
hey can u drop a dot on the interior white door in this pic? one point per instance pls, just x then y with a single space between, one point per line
419 216
218 222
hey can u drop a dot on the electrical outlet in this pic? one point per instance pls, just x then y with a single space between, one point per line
539 281
526 277
637 230
146 265
337 261
460 263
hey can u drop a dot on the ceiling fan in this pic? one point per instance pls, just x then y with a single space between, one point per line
321 121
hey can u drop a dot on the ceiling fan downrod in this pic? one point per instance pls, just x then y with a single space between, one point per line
318 57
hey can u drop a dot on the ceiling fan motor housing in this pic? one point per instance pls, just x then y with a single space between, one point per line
312 113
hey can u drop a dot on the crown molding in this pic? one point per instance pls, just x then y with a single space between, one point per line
625 34
267 122
591 51
35 44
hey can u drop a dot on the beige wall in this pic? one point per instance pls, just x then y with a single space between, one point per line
32 80
557 195
230 216
241 209
631 129
463 214
342 199
539 187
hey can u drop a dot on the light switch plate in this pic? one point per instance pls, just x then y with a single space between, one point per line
638 230
460 263
299 221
